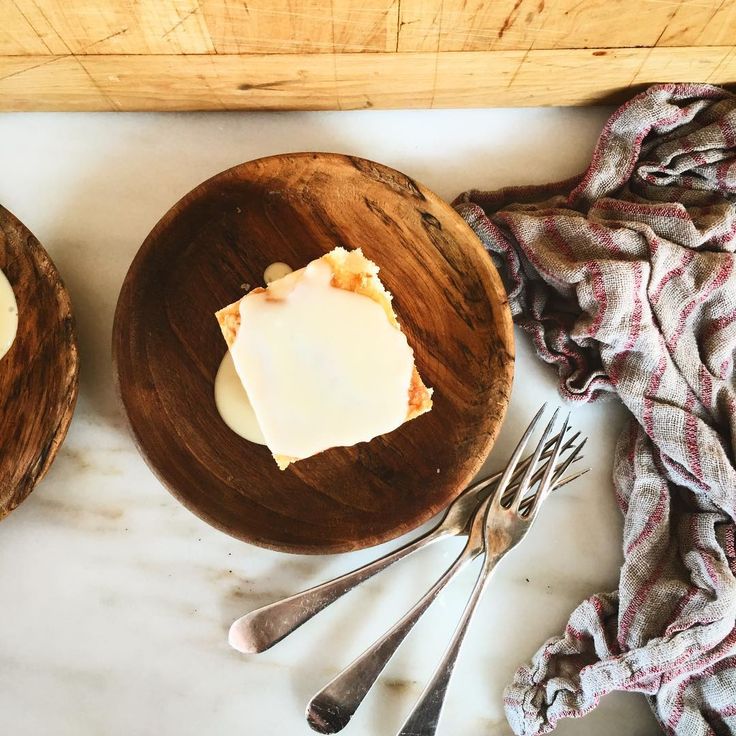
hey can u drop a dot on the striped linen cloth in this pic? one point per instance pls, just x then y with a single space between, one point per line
625 279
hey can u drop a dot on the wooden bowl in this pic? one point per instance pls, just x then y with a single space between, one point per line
39 375
293 208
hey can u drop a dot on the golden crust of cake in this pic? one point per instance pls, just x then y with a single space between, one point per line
420 397
229 320
352 271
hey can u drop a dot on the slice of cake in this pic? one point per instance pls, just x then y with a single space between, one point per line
322 357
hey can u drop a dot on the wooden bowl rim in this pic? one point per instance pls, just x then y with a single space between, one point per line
39 255
492 284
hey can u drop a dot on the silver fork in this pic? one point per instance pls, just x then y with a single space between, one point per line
260 629
506 524
331 709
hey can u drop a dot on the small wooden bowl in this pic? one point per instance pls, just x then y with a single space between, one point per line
293 208
39 375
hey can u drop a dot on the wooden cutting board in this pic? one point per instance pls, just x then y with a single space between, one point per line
346 54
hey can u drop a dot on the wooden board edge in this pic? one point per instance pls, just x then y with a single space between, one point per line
352 81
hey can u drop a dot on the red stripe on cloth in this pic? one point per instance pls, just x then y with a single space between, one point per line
718 324
721 171
530 254
600 294
573 713
726 664
691 437
650 393
606 237
636 315
717 719
629 615
652 522
597 281
678 212
725 369
727 712
507 195
623 503
678 468
570 630
729 132
724 238
654 242
703 552
706 387
676 625
686 259
699 159
689 147
682 322
666 671
730 543
632 447
508 700
597 604
550 227
723 273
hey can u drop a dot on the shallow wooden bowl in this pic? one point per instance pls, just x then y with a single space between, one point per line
39 375
167 347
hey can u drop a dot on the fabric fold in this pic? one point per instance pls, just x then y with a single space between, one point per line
624 277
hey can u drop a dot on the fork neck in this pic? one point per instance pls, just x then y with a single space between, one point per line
490 560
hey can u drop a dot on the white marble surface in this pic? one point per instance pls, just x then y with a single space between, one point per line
115 600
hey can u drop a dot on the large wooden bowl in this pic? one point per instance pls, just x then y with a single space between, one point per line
39 375
167 348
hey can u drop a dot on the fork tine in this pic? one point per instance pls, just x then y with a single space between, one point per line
561 468
546 452
568 461
546 482
556 485
488 480
570 442
524 463
514 460
525 482
571 478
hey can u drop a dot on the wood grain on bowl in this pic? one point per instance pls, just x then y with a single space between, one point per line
39 374
216 242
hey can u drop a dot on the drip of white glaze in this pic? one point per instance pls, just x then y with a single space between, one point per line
8 315
276 271
233 404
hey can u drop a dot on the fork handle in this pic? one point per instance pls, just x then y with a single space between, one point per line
425 716
331 709
261 629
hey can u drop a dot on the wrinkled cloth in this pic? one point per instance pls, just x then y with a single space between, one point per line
625 279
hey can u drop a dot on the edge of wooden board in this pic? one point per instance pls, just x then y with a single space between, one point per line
352 81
